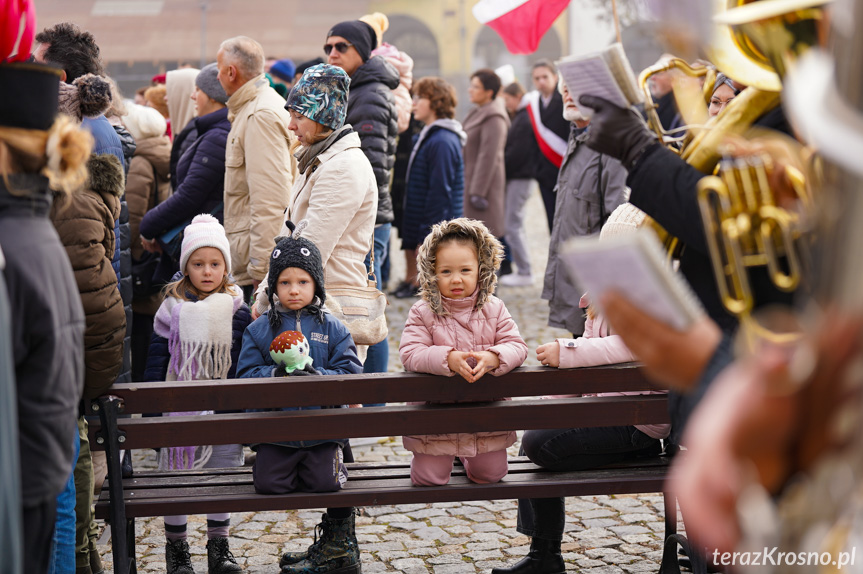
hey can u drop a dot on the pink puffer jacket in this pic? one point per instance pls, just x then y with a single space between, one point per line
405 66
599 346
427 340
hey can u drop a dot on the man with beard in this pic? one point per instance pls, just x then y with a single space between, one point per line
589 187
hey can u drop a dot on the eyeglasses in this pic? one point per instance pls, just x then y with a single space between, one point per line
342 47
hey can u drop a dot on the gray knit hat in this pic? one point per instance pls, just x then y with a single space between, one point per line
208 82
321 95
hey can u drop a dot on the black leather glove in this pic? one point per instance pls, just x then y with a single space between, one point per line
478 202
618 132
305 371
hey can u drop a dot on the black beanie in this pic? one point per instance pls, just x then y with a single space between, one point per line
299 252
358 33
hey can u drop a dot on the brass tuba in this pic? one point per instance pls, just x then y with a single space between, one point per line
745 226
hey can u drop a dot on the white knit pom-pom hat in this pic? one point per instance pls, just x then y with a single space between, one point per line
626 218
204 231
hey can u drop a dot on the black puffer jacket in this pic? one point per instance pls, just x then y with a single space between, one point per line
372 113
47 337
125 244
521 154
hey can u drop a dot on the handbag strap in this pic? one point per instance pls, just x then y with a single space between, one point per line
370 269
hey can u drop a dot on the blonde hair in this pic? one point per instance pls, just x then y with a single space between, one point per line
183 288
60 154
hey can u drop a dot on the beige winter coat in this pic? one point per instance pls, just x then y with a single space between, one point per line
339 198
484 174
259 173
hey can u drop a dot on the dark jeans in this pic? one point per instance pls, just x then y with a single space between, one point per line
549 199
568 450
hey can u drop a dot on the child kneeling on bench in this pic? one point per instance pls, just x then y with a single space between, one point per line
296 295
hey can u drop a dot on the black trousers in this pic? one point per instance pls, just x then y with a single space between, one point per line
568 450
38 533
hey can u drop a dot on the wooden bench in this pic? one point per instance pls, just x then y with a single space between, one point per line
231 490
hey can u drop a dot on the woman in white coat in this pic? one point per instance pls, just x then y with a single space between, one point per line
335 190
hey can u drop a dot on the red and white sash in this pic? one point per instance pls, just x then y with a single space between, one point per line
553 147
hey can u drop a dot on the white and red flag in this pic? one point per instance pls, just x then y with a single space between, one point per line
520 23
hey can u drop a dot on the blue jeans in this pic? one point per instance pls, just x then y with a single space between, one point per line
379 354
63 545
568 450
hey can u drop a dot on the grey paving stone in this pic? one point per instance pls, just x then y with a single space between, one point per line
379 546
479 555
461 568
426 513
389 555
638 538
595 513
600 522
446 559
640 517
409 565
634 548
642 566
629 529
603 570
446 520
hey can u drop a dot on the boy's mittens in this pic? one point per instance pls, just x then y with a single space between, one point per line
280 371
478 202
305 371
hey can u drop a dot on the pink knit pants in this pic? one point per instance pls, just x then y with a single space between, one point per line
430 470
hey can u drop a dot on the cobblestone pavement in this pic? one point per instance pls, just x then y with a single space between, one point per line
604 534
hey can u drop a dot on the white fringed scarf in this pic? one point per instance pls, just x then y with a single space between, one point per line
200 338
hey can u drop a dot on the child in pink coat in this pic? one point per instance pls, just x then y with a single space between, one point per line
460 328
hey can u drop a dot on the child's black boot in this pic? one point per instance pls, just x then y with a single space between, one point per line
219 557
177 557
322 533
337 553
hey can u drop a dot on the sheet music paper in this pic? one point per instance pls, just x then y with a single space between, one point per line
605 74
633 265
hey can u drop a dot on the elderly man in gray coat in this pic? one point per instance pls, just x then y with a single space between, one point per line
589 187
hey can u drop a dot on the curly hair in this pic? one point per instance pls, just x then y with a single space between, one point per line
73 49
440 94
467 232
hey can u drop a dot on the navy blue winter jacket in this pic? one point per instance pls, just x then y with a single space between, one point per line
200 180
330 346
435 186
159 358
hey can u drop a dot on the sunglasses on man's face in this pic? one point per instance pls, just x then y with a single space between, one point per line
342 47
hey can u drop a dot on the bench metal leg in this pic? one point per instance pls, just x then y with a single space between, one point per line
111 438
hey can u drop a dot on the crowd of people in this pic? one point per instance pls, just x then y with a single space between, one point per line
178 235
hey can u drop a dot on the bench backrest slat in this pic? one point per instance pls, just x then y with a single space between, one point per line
371 388
394 420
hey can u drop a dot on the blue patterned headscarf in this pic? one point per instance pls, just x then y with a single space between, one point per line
321 95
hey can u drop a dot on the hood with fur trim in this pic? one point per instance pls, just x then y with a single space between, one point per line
106 175
488 248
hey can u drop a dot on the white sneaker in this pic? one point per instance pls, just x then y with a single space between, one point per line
516 280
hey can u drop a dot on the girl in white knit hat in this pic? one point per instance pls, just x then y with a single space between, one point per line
197 335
